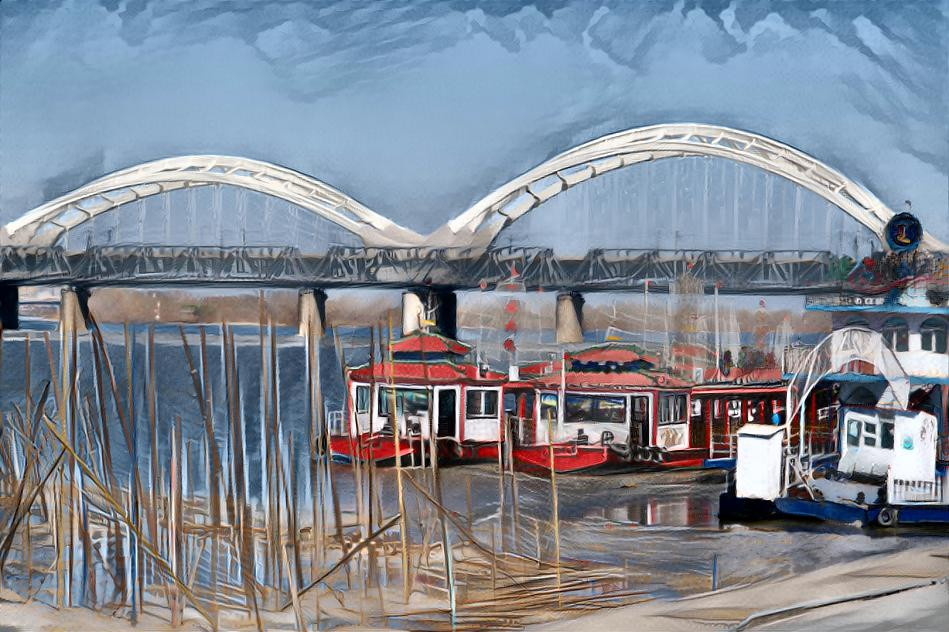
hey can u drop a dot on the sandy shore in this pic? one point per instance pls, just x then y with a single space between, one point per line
899 591
913 583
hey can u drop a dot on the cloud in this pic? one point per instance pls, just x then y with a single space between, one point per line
419 108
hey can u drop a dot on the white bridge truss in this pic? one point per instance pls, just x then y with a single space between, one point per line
482 222
46 224
478 226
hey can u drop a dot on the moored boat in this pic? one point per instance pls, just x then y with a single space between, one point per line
443 403
606 407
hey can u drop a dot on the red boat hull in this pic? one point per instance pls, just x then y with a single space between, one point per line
571 459
568 458
377 448
468 452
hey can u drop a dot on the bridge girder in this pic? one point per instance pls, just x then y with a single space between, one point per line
527 268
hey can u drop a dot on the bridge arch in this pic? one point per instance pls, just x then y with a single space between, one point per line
480 224
46 224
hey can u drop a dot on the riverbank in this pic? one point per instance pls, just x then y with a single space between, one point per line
905 590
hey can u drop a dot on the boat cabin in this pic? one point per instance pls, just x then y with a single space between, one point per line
603 405
727 401
433 388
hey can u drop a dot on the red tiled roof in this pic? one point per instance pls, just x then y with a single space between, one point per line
429 343
649 379
539 368
744 376
610 352
425 373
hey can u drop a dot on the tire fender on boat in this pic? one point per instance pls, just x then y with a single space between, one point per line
888 517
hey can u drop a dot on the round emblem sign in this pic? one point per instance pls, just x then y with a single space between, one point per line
903 232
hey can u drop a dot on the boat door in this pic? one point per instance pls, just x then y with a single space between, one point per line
639 420
698 424
446 411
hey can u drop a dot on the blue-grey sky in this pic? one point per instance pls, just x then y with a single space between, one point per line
419 108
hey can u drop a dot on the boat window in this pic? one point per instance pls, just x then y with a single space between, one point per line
510 403
869 434
407 401
696 408
717 409
672 408
548 407
597 409
896 334
853 432
932 335
362 399
754 411
886 436
481 403
734 408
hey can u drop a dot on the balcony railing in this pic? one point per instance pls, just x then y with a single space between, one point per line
902 491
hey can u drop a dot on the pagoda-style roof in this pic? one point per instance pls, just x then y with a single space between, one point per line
743 376
440 372
431 344
611 381
608 357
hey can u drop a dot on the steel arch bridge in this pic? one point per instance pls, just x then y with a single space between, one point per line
474 230
485 219
46 224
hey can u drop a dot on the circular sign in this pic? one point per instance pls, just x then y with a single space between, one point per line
903 232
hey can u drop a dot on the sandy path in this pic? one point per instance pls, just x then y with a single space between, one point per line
920 609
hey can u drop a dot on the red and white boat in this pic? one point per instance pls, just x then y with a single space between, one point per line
729 400
603 407
435 390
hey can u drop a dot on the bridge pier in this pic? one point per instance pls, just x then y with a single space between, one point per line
9 307
569 317
423 306
74 311
312 313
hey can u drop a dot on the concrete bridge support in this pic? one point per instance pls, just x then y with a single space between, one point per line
312 313
9 307
424 306
74 311
569 317
312 322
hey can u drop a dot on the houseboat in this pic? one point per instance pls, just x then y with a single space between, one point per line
440 398
600 408
886 362
730 398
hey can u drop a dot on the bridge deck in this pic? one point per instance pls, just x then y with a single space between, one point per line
533 268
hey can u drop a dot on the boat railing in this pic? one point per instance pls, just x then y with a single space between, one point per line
902 491
723 445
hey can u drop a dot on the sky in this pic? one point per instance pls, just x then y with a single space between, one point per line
417 109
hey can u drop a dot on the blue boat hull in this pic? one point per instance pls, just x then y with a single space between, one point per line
837 512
